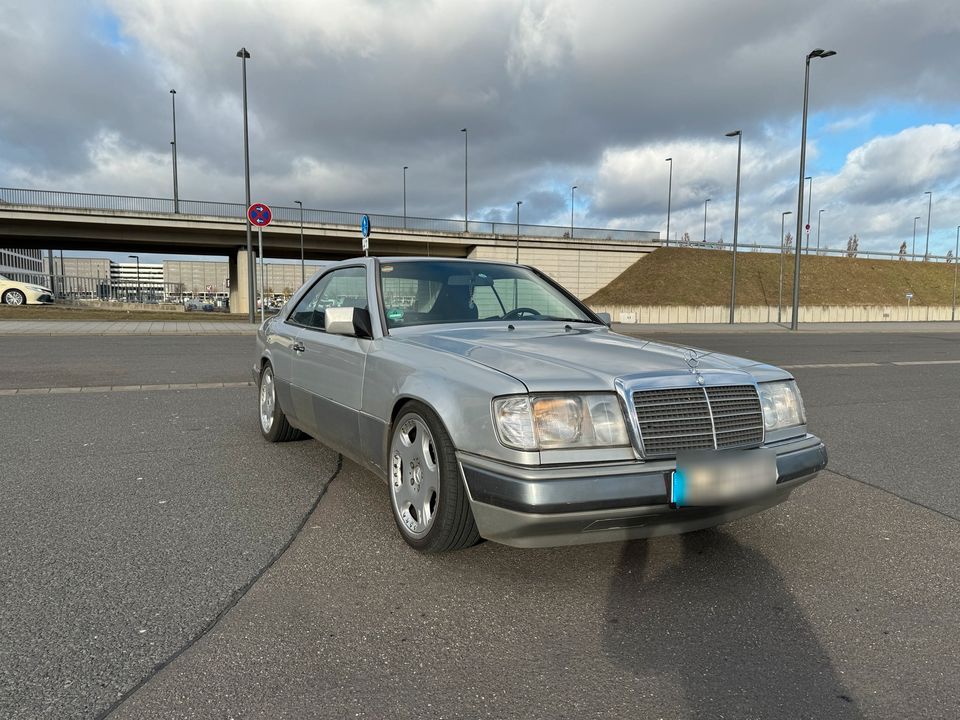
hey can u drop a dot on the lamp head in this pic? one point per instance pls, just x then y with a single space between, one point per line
242 53
733 133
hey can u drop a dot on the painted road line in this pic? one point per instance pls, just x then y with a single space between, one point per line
927 362
898 363
832 365
121 388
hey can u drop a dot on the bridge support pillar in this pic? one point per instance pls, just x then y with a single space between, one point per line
239 282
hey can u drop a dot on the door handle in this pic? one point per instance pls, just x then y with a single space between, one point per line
298 347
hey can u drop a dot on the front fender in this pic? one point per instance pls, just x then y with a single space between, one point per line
458 390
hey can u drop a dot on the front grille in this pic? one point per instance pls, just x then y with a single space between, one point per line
675 419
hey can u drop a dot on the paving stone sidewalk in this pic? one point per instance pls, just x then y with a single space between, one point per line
122 327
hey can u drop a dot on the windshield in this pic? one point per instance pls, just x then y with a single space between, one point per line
424 292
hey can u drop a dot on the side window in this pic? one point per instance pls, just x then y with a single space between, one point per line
339 288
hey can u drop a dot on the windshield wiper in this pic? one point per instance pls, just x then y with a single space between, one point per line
565 319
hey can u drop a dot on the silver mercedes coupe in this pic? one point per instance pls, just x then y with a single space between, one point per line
496 405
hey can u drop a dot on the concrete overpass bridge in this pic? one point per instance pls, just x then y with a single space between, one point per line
585 262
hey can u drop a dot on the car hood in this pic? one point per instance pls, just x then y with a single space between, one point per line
548 357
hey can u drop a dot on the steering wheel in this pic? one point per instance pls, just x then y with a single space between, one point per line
517 313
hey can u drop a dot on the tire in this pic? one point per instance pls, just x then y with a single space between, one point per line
14 297
429 501
270 416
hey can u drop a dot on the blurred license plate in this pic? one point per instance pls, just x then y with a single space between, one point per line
709 477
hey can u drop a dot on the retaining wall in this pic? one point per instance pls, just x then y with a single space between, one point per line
667 314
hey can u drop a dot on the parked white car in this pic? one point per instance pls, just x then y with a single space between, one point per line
14 292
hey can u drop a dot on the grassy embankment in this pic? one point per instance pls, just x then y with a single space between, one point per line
687 276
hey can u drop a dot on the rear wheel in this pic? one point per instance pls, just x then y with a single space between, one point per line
430 504
14 297
273 423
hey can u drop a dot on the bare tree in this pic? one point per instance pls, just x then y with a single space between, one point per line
853 244
903 251
788 244
950 257
685 240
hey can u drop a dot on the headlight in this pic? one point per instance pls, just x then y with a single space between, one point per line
37 288
544 422
782 405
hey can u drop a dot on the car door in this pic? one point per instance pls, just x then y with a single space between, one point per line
327 372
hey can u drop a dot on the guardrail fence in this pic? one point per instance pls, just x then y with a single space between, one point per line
291 215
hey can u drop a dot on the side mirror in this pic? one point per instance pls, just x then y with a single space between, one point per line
605 318
351 321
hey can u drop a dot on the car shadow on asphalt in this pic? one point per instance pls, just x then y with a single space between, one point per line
715 617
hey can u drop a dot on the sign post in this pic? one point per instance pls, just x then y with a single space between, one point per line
365 232
260 215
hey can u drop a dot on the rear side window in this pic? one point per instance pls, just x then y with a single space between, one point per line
339 288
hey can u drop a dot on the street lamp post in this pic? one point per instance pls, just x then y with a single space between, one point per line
139 295
466 221
926 251
303 273
956 262
572 190
251 306
809 205
705 219
669 197
816 53
738 134
913 251
519 203
405 168
173 145
819 218
780 286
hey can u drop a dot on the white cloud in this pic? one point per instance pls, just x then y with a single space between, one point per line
851 122
540 40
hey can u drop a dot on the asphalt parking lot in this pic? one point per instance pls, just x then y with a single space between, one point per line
158 560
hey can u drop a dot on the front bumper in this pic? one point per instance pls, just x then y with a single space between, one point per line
548 506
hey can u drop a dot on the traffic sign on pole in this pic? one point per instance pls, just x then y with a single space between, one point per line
365 232
808 227
259 214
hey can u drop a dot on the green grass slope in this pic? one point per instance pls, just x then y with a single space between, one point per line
687 276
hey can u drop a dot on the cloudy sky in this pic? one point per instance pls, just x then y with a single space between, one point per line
344 93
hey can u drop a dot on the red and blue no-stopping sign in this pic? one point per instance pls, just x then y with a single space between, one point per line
259 214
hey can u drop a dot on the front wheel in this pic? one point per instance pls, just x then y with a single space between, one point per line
430 504
14 297
273 423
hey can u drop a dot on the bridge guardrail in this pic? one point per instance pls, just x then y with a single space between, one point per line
291 215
